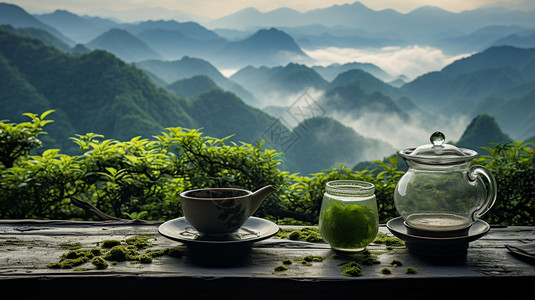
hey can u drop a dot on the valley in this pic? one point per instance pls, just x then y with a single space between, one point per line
124 80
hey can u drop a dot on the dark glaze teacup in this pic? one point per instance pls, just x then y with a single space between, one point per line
216 211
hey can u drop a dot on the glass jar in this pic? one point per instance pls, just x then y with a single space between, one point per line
349 220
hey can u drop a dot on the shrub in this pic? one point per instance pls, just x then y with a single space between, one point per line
143 178
17 140
139 178
513 166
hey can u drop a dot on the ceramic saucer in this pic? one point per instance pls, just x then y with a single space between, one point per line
253 230
437 246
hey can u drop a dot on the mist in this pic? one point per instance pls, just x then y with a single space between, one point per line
411 61
403 134
390 128
398 133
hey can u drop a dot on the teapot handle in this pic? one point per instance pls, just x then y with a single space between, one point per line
473 174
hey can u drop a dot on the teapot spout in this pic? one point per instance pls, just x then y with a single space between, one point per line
259 196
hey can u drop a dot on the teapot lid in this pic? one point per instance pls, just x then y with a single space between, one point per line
438 153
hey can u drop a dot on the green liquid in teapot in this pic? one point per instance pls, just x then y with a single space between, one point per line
349 225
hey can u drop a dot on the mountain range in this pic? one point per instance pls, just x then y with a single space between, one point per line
168 40
331 71
269 47
168 72
79 29
499 81
357 25
16 16
278 82
124 45
277 37
134 79
103 94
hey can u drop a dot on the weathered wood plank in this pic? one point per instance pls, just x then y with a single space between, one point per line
26 247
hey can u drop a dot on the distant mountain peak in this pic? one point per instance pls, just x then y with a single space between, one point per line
271 30
192 30
429 9
10 6
118 30
482 131
355 5
18 17
123 44
493 57
275 38
246 11
284 10
117 33
269 47
63 12
249 9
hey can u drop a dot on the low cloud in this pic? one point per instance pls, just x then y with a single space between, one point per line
397 132
411 61
402 134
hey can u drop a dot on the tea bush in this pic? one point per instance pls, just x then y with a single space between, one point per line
513 166
142 178
139 178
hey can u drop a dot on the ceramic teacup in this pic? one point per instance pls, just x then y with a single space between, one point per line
216 211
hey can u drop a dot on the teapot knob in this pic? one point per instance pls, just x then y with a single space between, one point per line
437 138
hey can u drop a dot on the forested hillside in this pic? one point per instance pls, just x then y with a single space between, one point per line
302 110
499 81
280 81
97 92
94 92
171 71
483 130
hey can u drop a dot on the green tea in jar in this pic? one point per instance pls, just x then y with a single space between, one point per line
348 217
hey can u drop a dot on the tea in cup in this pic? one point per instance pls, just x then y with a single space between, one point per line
216 211
349 220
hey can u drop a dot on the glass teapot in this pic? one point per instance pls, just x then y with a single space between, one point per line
441 190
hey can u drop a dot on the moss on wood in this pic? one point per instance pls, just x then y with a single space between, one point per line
134 249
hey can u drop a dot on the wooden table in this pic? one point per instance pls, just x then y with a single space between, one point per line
487 271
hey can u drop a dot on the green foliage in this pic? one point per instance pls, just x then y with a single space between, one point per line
303 198
137 178
513 166
17 140
142 178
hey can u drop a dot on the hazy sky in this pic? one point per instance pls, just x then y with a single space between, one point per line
410 61
218 8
